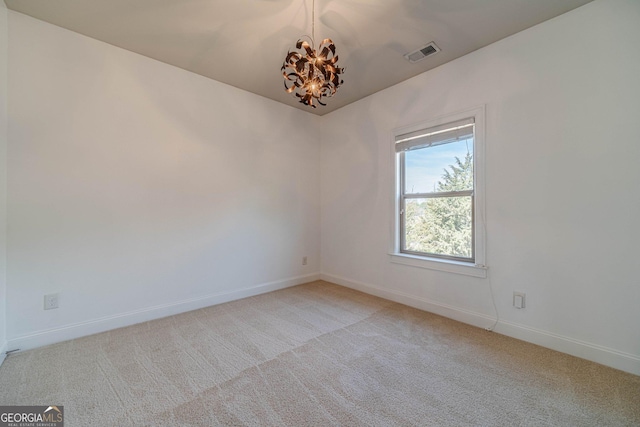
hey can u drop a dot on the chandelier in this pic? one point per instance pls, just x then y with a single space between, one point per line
310 73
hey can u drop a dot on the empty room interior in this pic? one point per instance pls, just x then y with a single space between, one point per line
318 212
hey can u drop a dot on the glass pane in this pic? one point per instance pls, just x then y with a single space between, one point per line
447 167
440 226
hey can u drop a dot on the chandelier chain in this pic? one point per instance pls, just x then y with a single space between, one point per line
313 21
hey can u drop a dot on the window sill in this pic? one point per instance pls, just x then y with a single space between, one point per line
448 266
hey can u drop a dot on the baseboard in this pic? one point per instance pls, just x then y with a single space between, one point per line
596 353
94 326
606 356
3 352
451 312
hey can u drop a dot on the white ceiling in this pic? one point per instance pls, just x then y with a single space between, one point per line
244 42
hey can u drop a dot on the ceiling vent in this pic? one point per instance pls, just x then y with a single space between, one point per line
423 52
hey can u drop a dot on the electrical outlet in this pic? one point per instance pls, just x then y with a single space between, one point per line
304 260
518 299
50 301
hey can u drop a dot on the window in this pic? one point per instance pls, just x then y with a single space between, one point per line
438 205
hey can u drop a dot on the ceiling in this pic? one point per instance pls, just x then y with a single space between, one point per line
244 42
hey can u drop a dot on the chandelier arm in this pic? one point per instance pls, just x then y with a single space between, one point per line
307 47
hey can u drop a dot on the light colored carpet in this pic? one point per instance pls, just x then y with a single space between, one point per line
318 355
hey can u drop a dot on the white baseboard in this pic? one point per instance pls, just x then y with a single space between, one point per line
606 356
94 326
455 313
3 351
585 350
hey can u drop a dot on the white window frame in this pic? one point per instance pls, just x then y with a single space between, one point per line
477 268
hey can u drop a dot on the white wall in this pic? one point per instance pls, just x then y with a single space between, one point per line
3 177
137 189
563 196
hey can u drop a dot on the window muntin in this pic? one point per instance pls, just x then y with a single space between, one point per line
436 203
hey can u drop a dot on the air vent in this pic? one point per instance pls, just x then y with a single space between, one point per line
422 53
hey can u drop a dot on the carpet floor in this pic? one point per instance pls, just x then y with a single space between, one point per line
316 355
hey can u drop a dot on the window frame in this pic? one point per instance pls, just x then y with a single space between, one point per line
451 264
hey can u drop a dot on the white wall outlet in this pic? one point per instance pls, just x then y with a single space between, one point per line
304 260
518 299
50 301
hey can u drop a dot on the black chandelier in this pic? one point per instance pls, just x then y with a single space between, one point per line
310 73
